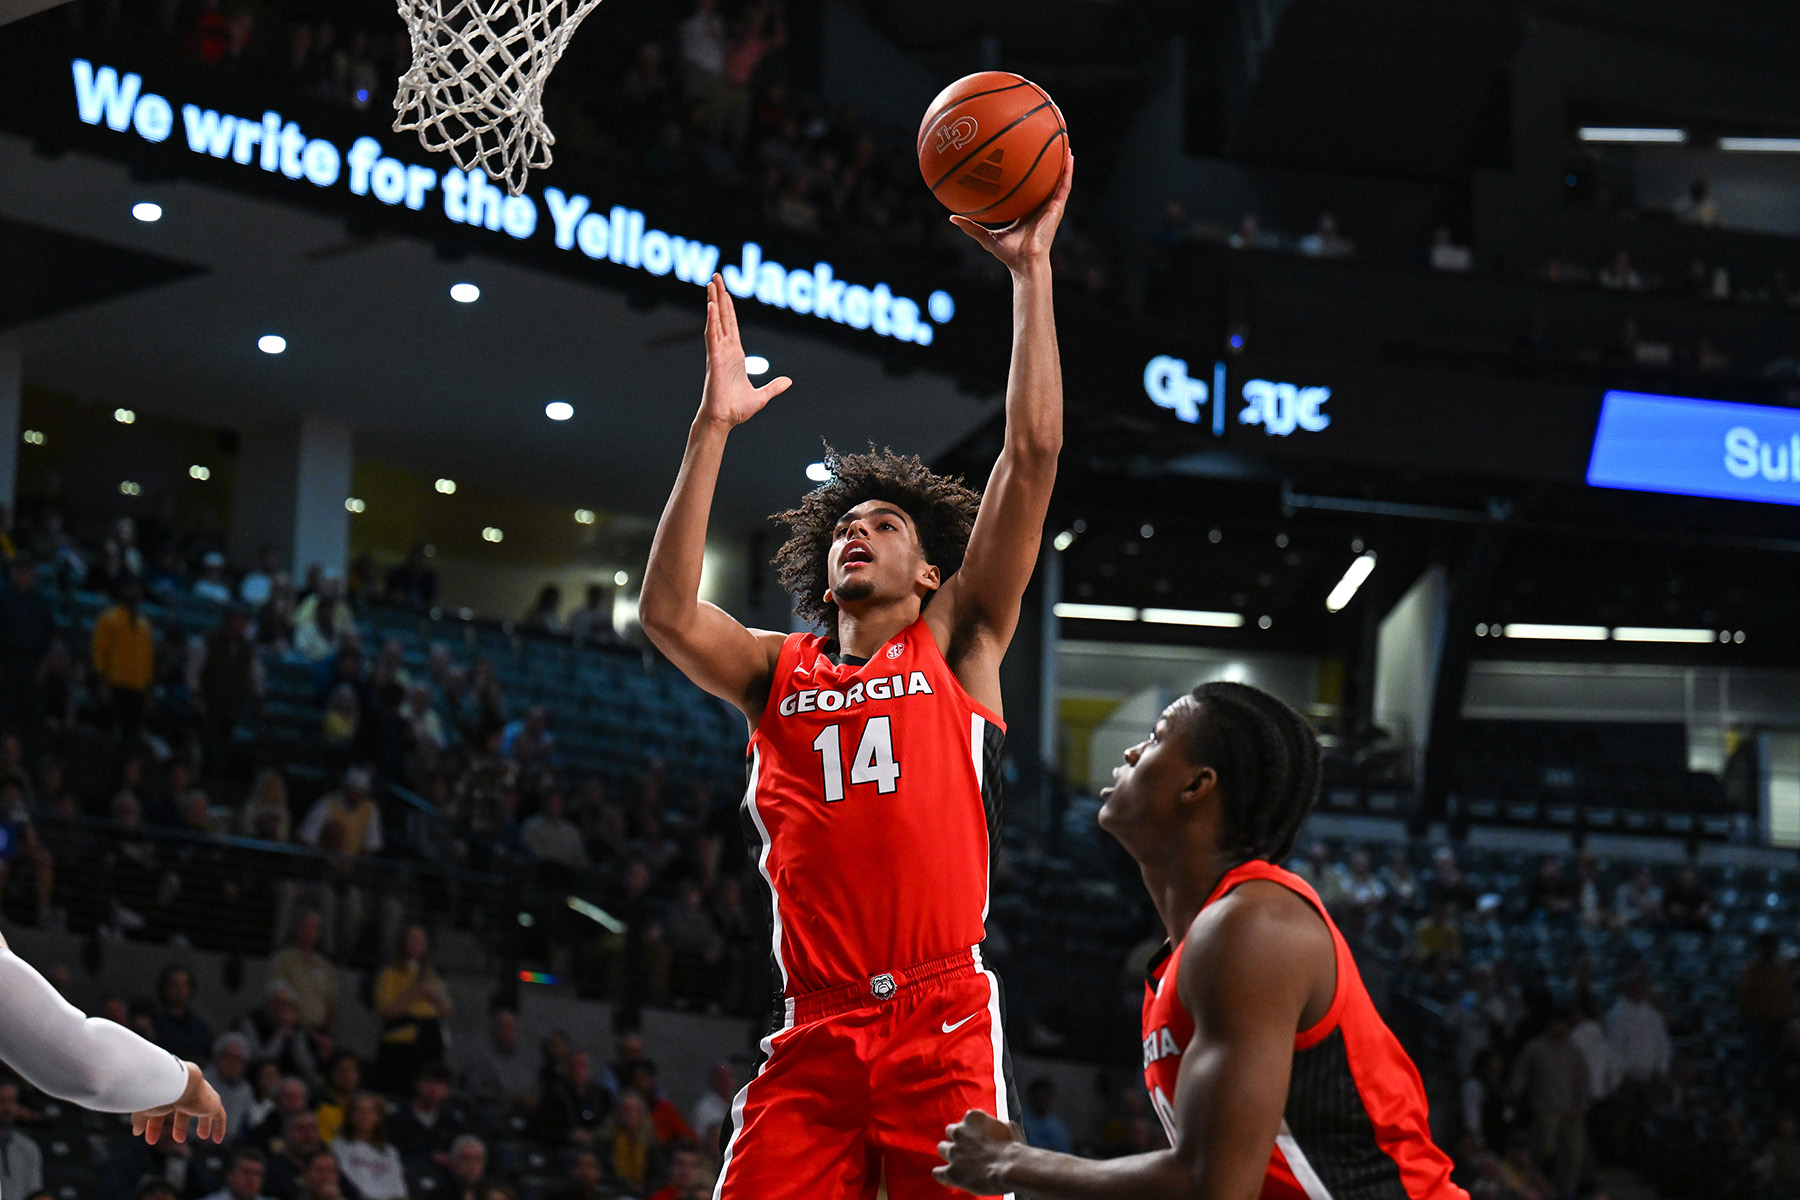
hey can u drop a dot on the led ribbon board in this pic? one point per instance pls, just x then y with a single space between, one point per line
1687 447
108 98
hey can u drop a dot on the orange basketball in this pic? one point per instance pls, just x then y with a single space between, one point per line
991 147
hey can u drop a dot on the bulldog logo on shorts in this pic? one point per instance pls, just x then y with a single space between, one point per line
882 986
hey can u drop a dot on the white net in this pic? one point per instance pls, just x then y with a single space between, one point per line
476 84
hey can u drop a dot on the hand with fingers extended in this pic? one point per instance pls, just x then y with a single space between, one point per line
730 398
1025 244
199 1104
974 1151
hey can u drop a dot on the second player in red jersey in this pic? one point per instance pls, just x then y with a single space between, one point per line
1271 1070
873 751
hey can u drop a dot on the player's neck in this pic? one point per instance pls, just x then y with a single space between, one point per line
861 634
1181 881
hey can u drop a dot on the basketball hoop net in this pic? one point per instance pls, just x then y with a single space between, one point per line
476 84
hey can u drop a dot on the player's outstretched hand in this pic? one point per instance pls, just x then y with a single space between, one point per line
1025 244
973 1151
199 1104
729 396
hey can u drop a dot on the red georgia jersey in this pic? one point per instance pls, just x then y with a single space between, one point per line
873 793
1355 1126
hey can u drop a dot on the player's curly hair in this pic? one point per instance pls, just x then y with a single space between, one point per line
942 509
1267 759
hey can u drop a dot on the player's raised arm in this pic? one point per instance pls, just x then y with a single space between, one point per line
1246 975
709 645
1003 547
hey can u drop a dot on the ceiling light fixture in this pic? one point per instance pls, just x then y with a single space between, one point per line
621 578
584 516
34 437
1064 540
755 364
124 416
818 472
445 487
199 472
353 504
1192 616
1345 591
491 534
147 211
271 343
1095 612
464 293
1760 145
1632 133
559 410
1556 633
1639 633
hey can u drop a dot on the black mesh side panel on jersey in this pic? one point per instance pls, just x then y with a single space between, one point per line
993 742
753 839
1326 1117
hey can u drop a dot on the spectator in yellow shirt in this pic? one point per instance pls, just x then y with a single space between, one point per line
125 658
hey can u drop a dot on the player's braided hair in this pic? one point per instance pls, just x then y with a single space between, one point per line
942 509
1267 760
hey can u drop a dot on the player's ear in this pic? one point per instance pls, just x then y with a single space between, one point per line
1200 785
931 577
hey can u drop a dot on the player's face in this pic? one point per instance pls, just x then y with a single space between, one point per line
875 555
1139 805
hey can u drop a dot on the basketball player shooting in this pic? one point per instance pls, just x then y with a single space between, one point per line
874 748
1271 1070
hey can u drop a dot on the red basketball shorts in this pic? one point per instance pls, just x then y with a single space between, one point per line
856 1085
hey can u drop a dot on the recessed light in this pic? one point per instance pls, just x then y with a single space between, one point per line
559 410
1264 621
1064 540
129 488
271 343
354 504
818 472
620 578
1068 611
199 472
491 534
124 416
34 437
755 364
584 516
147 211
1631 133
464 293
446 487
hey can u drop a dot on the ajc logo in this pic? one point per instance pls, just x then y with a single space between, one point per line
957 134
1281 408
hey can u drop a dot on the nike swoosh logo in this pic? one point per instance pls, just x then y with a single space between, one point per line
949 1028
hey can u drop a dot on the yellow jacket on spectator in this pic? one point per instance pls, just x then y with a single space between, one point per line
124 653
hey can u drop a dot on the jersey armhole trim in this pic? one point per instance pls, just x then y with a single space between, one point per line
784 665
1311 1036
1307 1038
974 704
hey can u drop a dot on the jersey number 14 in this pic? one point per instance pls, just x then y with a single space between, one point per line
874 761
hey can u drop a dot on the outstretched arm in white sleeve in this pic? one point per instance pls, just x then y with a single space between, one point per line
97 1063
